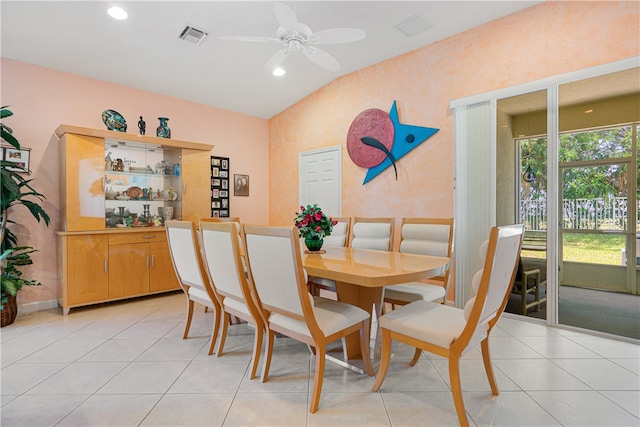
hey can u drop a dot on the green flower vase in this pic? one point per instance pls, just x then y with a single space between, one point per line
314 245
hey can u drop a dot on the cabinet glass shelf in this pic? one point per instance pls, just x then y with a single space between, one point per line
141 180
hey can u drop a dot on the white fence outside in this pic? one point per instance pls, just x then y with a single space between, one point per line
580 214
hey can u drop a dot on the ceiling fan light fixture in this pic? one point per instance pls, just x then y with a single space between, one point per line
278 72
117 13
295 36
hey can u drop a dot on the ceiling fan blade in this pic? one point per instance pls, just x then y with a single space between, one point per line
285 16
249 39
339 35
276 60
321 58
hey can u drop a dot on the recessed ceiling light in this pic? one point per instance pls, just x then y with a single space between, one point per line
117 13
278 72
588 111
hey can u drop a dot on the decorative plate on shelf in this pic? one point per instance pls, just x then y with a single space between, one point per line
170 195
114 121
135 192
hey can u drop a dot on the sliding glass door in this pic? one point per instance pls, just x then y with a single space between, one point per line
563 160
591 180
598 200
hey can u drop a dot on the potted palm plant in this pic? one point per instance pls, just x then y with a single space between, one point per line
15 191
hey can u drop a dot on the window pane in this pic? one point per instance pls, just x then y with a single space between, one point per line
594 248
594 145
595 198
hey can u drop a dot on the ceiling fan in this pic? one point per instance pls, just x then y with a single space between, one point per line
298 37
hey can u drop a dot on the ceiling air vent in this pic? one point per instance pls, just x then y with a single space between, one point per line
192 35
413 25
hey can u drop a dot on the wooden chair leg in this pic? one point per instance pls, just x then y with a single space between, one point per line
385 358
523 301
268 350
365 333
257 348
313 290
486 357
214 331
189 316
416 357
318 378
456 390
223 332
538 294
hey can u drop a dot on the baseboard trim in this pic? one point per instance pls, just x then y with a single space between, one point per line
37 306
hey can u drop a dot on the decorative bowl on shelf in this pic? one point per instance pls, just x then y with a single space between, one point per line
135 192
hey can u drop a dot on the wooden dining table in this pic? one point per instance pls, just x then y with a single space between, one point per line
361 275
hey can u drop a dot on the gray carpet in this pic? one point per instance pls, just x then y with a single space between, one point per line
610 312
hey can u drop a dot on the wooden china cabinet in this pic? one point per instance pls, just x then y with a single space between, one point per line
114 188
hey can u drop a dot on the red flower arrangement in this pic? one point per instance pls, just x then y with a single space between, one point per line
312 223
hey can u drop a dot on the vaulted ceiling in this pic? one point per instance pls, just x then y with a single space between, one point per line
145 52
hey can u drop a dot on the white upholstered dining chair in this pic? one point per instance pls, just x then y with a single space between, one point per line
280 284
339 238
425 236
450 332
187 263
226 271
372 233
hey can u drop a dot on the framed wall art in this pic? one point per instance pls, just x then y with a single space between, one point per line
19 157
241 185
219 187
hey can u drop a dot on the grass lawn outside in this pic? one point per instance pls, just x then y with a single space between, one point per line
589 248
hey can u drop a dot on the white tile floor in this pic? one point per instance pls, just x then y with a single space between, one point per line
126 364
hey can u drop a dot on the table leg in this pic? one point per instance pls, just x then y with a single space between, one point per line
368 299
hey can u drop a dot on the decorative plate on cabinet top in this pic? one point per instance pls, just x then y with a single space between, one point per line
135 192
114 121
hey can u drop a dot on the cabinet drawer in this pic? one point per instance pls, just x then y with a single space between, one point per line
143 237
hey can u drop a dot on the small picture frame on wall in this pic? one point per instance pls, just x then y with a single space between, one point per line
21 159
241 185
225 164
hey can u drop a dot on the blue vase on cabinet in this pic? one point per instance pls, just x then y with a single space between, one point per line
163 130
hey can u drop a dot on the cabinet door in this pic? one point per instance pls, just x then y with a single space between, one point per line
196 184
128 270
162 277
86 277
82 178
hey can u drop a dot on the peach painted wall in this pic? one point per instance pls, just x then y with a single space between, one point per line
546 40
42 99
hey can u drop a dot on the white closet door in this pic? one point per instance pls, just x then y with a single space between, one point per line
320 179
